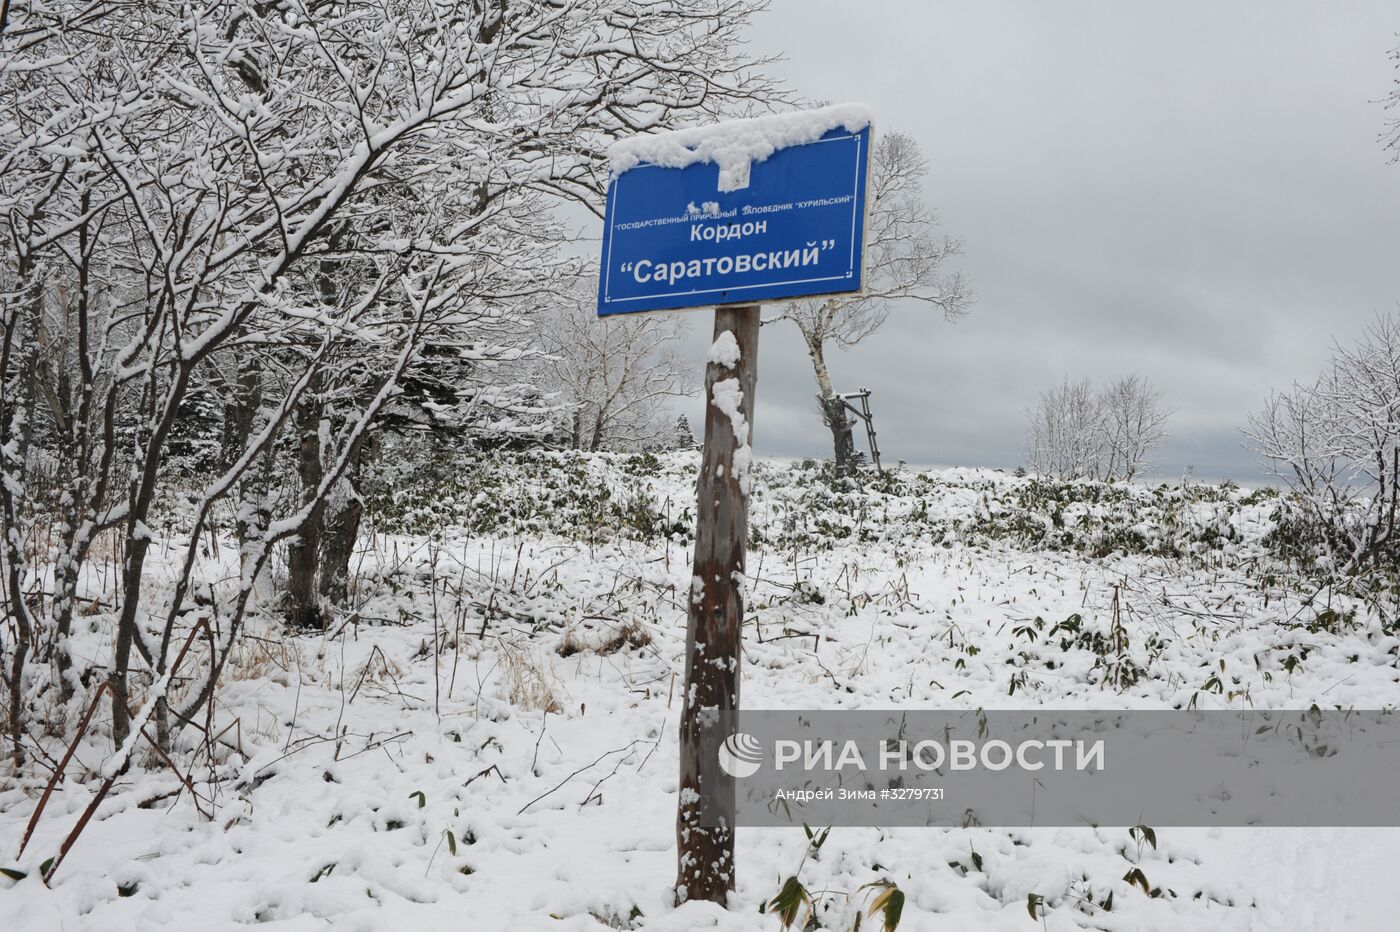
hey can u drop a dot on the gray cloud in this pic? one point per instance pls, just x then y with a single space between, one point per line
1195 192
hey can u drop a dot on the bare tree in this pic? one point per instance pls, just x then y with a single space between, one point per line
1075 432
1134 424
904 260
615 375
1336 442
1066 433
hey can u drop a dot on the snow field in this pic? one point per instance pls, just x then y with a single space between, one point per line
522 775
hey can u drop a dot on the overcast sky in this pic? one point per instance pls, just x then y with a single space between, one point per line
1192 191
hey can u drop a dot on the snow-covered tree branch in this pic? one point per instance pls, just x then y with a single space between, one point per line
287 217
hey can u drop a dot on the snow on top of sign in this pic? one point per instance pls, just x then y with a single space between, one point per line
737 144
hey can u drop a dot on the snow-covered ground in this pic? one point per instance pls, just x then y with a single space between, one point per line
487 741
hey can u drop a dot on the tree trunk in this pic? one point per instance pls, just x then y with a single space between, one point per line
17 348
833 410
140 497
240 420
595 442
705 814
65 587
838 421
344 509
338 542
303 606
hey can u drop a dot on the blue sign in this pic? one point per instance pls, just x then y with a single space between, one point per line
672 239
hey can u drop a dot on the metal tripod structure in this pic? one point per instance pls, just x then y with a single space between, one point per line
863 412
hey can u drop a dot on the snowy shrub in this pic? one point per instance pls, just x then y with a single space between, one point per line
571 494
1336 443
532 684
1076 432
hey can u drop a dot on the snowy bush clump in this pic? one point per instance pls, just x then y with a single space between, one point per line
1335 442
645 496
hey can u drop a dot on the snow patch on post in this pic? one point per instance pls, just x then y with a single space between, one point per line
737 144
729 398
725 351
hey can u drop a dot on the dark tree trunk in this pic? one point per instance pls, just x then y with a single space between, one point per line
343 512
595 442
17 350
705 815
240 419
838 421
338 544
833 409
303 552
138 543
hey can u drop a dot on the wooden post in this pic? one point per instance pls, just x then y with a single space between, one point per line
705 815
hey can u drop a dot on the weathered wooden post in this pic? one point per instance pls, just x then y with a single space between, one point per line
729 216
705 817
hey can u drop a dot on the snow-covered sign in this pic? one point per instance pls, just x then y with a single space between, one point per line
737 213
